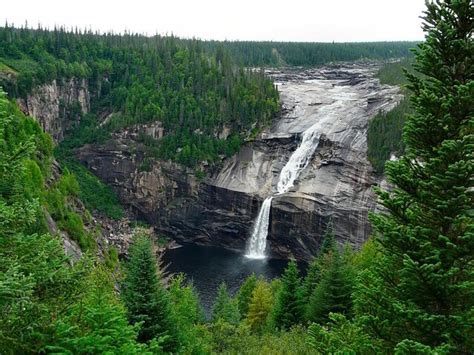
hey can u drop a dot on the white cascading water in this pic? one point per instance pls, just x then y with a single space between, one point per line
290 172
258 240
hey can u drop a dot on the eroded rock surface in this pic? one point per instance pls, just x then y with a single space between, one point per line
57 105
220 210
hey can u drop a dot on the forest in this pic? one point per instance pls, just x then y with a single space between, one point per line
408 290
277 54
135 79
195 88
384 136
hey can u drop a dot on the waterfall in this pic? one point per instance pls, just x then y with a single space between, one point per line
296 164
258 240
299 160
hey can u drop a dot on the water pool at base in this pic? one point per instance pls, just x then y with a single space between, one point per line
207 267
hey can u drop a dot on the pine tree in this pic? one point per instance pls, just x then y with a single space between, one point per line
420 295
244 295
97 323
288 306
329 240
146 298
333 292
188 315
260 306
225 308
317 265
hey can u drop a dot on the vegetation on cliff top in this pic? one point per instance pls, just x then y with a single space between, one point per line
308 54
384 136
135 79
408 291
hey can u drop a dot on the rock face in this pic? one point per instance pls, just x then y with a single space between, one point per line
220 210
57 105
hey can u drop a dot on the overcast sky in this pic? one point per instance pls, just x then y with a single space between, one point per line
278 20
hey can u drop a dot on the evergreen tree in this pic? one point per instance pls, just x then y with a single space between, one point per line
318 265
97 323
260 306
225 308
420 294
38 284
188 316
329 240
146 298
340 336
333 292
288 306
244 295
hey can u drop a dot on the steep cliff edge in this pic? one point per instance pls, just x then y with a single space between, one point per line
220 209
57 105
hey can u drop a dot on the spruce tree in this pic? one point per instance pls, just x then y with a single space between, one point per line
329 240
420 295
225 308
288 306
317 265
244 295
97 323
146 298
333 292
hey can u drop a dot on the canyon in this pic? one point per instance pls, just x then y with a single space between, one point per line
220 209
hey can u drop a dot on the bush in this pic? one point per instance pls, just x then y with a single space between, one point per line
73 225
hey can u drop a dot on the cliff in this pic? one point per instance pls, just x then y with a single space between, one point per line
220 209
57 105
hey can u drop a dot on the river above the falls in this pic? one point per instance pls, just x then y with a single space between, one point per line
207 267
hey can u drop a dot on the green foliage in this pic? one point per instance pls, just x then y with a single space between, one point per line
329 240
260 306
342 337
229 339
188 315
244 295
87 131
225 308
148 302
19 175
111 258
36 284
68 185
135 79
288 310
392 73
23 141
318 265
72 223
419 295
333 291
413 347
311 280
59 202
94 193
384 136
277 54
97 323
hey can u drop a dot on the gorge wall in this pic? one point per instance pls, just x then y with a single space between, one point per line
57 105
220 209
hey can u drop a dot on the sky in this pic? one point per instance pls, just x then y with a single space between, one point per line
276 20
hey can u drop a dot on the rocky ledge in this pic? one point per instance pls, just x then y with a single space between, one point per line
220 209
